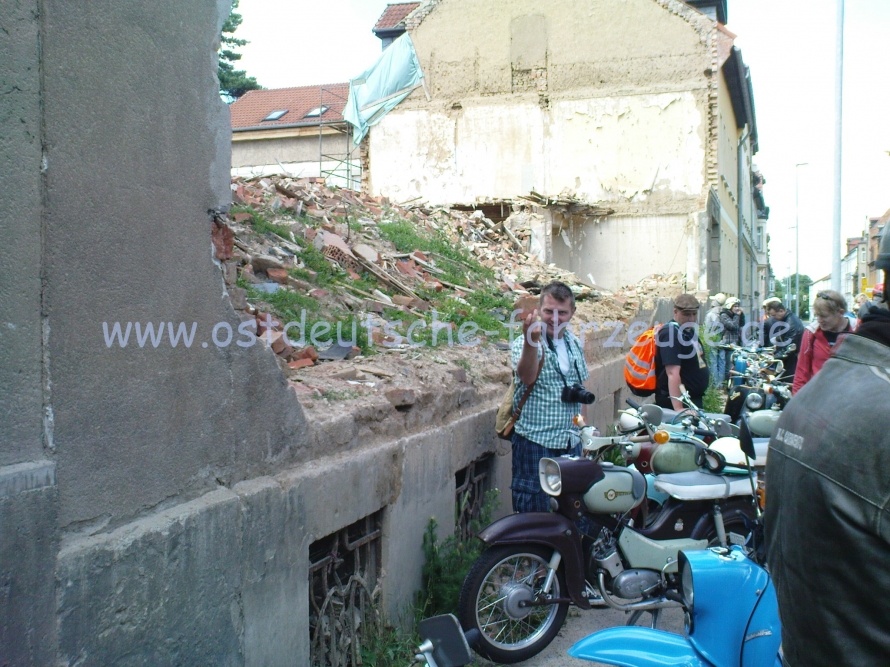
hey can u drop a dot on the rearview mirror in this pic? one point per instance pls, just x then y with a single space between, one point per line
746 442
652 413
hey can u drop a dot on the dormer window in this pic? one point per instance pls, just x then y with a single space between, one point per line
275 115
316 112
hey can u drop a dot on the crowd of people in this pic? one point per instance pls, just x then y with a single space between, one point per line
828 518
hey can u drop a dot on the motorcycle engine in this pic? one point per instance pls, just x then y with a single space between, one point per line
632 584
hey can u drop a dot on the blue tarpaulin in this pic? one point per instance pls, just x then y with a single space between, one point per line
377 90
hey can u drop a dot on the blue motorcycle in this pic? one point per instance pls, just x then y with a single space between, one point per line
732 620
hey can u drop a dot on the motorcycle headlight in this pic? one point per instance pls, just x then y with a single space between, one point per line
686 588
551 477
754 401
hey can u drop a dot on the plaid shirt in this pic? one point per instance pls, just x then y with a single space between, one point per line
545 419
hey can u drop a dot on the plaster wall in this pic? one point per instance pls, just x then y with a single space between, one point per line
553 99
469 48
610 248
287 150
639 152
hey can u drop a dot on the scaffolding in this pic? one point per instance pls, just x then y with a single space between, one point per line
342 169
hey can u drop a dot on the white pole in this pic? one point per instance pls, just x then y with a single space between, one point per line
797 237
838 150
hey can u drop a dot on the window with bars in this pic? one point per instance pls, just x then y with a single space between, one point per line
344 578
471 484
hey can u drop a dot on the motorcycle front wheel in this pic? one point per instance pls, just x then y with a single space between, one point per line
500 579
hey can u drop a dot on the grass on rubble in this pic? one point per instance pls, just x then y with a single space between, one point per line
459 266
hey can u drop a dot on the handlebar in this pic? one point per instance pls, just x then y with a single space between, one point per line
704 432
632 403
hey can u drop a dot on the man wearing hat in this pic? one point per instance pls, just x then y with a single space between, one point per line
678 357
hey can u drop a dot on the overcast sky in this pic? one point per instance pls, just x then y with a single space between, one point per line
789 46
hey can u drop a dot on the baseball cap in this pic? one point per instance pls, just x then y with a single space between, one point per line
686 302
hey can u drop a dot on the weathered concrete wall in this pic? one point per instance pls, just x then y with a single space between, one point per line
136 156
28 547
21 405
243 555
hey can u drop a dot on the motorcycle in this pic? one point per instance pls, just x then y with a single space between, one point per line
741 629
737 630
760 394
536 564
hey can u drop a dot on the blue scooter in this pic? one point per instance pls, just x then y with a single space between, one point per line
732 615
732 620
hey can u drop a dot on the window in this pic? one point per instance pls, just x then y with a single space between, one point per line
275 115
316 112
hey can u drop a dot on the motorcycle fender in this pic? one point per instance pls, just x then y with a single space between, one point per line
548 529
632 646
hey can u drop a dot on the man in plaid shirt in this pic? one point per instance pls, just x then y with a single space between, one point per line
545 428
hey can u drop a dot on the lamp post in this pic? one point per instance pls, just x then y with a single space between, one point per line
797 237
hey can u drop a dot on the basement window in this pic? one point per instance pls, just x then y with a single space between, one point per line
316 112
275 115
472 485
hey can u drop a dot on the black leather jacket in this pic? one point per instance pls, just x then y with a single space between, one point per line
828 512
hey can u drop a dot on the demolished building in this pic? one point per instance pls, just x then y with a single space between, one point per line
631 124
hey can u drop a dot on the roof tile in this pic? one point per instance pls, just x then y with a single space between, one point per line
250 109
394 14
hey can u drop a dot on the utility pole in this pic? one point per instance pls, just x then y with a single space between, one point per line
797 237
838 150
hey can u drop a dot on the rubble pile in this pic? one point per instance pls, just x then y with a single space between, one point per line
289 246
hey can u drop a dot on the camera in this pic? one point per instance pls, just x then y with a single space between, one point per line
577 394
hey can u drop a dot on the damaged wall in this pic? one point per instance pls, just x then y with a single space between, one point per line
609 117
610 102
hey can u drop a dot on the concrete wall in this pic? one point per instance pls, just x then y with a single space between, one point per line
254 152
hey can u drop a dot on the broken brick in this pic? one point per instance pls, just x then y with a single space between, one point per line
223 239
401 398
318 293
300 363
309 233
306 353
280 276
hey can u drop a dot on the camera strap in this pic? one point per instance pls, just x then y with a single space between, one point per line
558 369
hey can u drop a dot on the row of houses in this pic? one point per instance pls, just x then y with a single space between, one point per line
858 272
629 124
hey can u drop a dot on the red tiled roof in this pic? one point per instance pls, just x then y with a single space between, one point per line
250 109
394 14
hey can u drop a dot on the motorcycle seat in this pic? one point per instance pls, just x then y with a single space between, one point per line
700 485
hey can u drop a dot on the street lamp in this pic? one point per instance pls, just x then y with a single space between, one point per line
797 237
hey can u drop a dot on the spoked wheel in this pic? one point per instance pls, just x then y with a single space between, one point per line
492 597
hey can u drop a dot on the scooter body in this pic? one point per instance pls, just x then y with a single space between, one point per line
740 629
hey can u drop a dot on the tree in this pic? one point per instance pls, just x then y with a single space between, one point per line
232 83
804 296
